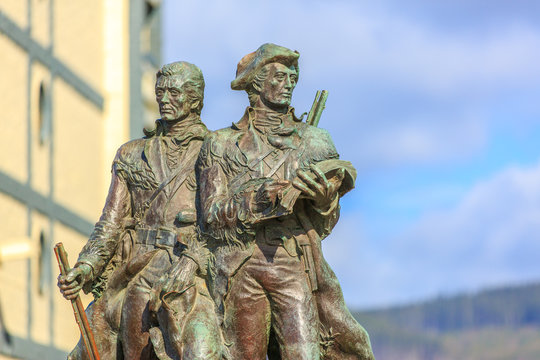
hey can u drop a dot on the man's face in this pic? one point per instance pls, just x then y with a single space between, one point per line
277 89
172 99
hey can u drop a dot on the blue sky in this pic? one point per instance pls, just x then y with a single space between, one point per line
436 104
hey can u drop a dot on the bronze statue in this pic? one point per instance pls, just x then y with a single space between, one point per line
144 261
269 192
209 244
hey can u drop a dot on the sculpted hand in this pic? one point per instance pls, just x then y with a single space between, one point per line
268 193
317 187
175 279
156 292
179 277
73 281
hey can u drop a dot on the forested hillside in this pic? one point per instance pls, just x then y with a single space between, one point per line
500 323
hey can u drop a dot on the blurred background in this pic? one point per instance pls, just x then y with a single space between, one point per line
437 104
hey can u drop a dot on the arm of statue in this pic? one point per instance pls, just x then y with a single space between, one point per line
226 214
222 213
320 183
321 196
102 242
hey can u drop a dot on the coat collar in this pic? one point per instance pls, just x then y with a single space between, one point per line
250 140
188 129
251 112
154 149
183 132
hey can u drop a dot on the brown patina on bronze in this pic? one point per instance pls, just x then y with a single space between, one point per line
209 245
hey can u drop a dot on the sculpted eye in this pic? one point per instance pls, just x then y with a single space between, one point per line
175 92
159 92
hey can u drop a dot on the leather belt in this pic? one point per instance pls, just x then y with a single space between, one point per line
155 237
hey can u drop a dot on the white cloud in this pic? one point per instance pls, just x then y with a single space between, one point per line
426 91
403 92
449 64
490 238
419 140
358 39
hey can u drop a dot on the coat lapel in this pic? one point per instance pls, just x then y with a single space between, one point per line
154 153
248 142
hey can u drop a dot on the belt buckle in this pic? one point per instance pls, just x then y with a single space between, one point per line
147 235
163 237
141 236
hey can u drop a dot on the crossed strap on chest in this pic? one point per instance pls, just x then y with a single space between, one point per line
251 166
258 159
181 173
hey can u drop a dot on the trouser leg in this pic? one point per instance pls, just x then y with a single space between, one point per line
294 313
136 324
136 320
189 327
201 334
247 317
295 320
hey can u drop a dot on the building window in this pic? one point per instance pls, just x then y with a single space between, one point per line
150 6
44 117
43 264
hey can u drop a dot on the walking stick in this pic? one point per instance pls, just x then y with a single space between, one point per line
78 310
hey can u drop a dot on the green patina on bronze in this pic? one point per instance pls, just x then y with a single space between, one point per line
209 246
145 262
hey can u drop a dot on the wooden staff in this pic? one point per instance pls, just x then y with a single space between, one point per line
78 310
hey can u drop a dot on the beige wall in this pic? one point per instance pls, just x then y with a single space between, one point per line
40 20
13 102
78 164
78 38
14 271
69 167
30 310
17 10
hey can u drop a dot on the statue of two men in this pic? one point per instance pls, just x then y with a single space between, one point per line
209 243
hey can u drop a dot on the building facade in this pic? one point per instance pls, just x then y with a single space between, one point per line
76 81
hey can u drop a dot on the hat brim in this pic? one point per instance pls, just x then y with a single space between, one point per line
250 64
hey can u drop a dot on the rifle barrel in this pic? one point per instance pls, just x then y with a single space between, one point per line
321 104
309 119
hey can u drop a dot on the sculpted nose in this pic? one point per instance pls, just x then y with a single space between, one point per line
288 83
165 98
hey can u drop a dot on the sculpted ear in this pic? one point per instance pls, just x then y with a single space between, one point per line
256 86
195 104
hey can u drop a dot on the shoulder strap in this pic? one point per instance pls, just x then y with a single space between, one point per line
182 171
285 156
279 163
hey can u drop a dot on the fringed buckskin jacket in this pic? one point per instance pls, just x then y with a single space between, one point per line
234 162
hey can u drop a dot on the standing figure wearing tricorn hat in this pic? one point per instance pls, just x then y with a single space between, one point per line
269 188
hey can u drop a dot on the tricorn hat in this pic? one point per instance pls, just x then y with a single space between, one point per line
253 62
